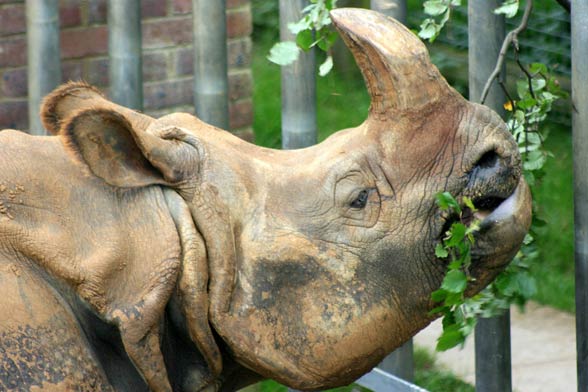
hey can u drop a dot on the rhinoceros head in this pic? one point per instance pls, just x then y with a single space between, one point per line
321 260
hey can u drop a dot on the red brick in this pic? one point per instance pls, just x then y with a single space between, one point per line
97 12
167 93
14 115
236 3
12 19
96 72
153 8
239 53
14 83
184 61
84 42
154 66
168 32
240 114
239 23
240 85
69 13
182 6
13 52
71 70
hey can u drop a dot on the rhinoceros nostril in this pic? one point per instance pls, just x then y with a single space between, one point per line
488 160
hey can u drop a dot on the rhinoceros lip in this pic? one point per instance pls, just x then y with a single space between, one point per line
502 231
500 219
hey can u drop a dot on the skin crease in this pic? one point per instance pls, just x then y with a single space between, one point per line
201 259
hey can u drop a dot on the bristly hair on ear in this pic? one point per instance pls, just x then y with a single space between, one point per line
50 116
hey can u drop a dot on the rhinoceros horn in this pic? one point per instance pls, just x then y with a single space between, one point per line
394 62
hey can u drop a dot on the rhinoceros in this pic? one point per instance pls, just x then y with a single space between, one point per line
166 254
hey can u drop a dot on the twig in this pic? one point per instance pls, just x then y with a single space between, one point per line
510 38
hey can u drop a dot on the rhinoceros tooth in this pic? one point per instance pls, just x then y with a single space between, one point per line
394 62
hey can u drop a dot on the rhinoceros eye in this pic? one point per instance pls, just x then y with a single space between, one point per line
361 200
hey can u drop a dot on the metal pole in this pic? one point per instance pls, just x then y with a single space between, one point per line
579 16
400 362
298 86
44 65
393 8
124 50
486 34
210 62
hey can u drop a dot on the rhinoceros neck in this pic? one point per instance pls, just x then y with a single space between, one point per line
81 230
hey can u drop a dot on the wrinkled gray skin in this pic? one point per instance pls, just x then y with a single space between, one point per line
166 254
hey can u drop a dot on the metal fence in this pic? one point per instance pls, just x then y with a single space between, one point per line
210 92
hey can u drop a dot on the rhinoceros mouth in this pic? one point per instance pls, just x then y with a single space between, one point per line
502 229
503 223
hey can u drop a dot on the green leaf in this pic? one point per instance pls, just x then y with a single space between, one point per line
305 39
450 338
469 203
446 201
455 281
534 160
326 67
438 295
457 234
284 53
301 25
429 30
434 7
538 84
441 252
538 68
509 8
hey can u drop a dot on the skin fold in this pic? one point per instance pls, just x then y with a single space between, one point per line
166 254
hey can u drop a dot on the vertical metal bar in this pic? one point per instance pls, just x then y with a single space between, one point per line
298 86
400 362
393 8
124 50
44 64
210 62
486 34
580 149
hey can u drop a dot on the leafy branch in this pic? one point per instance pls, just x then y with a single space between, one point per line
312 30
430 27
511 38
536 92
455 247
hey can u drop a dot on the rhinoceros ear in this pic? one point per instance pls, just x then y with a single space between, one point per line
113 150
394 62
73 97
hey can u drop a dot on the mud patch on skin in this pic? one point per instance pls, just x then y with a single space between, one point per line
33 356
9 195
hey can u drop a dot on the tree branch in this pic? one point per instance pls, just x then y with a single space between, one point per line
511 37
566 4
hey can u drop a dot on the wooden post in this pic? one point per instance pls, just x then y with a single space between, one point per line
580 149
298 86
125 53
210 62
44 64
486 34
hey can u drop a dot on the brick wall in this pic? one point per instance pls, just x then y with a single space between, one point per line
167 56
